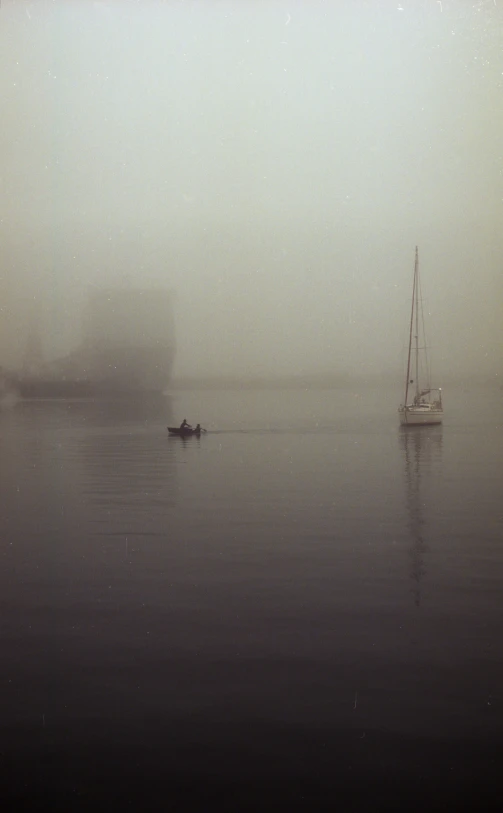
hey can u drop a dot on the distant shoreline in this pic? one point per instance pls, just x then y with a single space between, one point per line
263 383
314 382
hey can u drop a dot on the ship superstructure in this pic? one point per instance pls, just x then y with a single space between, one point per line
128 346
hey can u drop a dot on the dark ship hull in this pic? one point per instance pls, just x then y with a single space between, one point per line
38 388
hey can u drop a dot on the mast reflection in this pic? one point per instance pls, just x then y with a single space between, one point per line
422 448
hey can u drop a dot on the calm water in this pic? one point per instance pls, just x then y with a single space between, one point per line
303 604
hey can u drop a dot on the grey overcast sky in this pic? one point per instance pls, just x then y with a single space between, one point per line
273 162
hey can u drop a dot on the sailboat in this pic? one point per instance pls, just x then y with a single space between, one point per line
425 407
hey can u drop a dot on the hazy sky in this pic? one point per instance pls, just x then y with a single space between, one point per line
273 162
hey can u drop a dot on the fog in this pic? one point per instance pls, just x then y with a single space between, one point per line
273 163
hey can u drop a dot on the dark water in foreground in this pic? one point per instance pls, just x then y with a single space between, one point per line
301 609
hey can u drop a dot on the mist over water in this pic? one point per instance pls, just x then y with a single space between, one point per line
275 165
301 605
304 603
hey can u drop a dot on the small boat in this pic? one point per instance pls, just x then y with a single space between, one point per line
426 405
186 432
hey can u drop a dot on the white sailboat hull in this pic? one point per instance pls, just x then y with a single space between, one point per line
420 415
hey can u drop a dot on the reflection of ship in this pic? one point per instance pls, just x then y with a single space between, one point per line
128 347
150 409
420 450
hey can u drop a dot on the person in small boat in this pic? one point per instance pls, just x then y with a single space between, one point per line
184 425
198 428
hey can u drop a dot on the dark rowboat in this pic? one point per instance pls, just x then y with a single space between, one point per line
184 433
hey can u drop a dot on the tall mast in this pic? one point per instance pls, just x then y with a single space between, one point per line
410 332
416 286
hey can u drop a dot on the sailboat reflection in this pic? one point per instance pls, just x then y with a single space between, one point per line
422 452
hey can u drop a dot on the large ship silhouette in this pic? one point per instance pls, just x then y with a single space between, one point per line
128 347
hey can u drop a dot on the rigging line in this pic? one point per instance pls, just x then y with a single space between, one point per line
426 360
407 381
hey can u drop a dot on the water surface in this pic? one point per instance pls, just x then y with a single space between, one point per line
306 601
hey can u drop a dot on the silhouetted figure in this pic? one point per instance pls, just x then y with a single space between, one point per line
185 425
